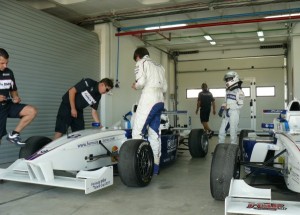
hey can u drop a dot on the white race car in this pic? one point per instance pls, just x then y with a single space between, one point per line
278 153
90 156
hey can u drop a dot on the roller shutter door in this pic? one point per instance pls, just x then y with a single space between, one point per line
47 55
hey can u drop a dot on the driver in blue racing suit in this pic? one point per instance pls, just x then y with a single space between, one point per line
150 78
234 101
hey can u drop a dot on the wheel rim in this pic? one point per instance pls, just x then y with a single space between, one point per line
204 142
145 164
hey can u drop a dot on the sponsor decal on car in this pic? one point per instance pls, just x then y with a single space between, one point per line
101 183
89 143
141 146
109 139
266 206
171 145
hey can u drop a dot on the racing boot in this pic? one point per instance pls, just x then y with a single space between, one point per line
156 169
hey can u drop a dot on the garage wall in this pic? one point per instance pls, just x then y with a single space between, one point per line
47 56
268 70
122 68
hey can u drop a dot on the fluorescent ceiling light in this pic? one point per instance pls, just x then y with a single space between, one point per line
69 1
213 43
261 39
207 37
165 26
283 15
260 33
147 2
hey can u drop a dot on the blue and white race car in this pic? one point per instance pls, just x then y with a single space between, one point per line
90 156
277 152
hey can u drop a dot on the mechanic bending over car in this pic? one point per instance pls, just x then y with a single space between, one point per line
10 103
230 110
86 92
150 78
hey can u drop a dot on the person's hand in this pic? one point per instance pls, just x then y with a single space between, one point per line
74 113
214 112
16 99
196 112
133 86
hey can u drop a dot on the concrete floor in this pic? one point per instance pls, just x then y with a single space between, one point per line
181 188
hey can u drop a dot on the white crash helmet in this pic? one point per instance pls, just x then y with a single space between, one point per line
231 79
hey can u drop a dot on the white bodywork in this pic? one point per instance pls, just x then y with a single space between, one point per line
77 152
287 136
244 199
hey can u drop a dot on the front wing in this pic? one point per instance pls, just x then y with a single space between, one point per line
244 199
42 173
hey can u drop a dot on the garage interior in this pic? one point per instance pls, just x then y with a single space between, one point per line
55 43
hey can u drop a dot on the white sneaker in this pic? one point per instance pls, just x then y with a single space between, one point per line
15 138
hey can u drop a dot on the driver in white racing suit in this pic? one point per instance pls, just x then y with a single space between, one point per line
150 78
234 101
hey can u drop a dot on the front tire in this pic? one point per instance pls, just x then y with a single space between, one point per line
33 144
225 166
136 163
198 143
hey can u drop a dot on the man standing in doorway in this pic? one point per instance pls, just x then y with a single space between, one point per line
150 78
205 101
10 106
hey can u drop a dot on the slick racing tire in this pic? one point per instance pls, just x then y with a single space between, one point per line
136 163
33 144
243 134
225 166
198 143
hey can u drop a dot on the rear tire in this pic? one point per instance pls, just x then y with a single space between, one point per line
33 144
225 166
136 163
198 143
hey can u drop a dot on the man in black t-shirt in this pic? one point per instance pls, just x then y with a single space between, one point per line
10 106
205 101
86 92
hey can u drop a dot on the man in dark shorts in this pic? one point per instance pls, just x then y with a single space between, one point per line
10 106
205 101
86 92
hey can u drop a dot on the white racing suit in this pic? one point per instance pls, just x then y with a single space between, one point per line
234 101
150 77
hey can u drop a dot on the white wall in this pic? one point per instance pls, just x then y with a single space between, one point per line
266 68
114 106
294 70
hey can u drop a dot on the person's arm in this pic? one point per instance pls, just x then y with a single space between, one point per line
72 93
240 98
214 107
15 96
198 103
95 116
140 76
198 106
